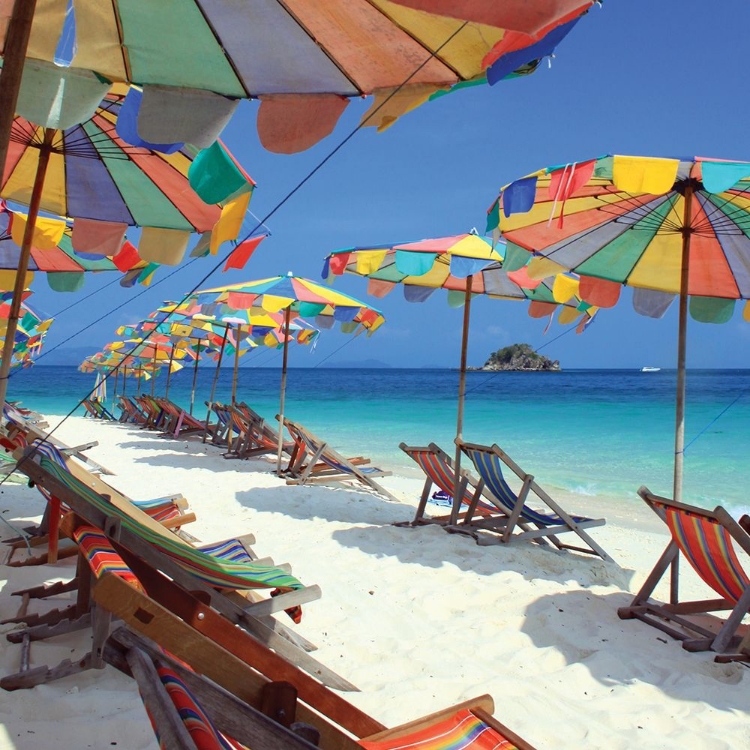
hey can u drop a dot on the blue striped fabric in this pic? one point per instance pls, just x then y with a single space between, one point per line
490 468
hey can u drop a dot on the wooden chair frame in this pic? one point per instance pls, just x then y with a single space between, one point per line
311 459
673 617
530 529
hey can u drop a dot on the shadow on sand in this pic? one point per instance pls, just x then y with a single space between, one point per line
555 621
371 530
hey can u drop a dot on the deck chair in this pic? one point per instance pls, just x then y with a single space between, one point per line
255 436
708 540
171 512
173 696
104 559
206 659
220 430
201 652
155 415
313 461
438 469
176 420
21 432
231 588
188 710
488 462
130 411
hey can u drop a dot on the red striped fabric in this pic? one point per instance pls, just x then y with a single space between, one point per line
707 546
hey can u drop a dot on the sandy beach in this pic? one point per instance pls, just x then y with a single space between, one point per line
418 619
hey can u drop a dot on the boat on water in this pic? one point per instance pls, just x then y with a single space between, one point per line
650 369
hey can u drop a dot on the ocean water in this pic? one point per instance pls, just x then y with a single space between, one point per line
592 432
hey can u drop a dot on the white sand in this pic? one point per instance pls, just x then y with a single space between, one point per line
418 619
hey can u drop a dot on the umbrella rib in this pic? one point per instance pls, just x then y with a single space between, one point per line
727 220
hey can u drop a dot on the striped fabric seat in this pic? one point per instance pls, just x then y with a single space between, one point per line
462 731
160 510
213 571
202 731
708 547
230 549
327 458
101 556
490 468
434 463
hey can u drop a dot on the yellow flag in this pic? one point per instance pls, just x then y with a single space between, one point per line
368 261
643 174
564 288
47 232
230 222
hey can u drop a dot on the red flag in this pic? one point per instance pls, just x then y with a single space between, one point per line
241 254
127 258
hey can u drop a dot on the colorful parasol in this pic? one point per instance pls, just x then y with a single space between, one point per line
664 226
302 60
297 298
464 265
30 333
89 174
227 330
52 256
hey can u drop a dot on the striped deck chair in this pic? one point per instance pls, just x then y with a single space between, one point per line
130 411
171 512
223 432
437 466
155 415
256 436
466 726
228 586
488 462
172 692
313 461
177 420
708 540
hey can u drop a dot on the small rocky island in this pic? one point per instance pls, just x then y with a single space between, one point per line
518 357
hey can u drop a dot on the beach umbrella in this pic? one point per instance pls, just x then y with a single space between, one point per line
227 329
302 60
464 265
197 338
30 333
668 227
52 253
295 297
88 173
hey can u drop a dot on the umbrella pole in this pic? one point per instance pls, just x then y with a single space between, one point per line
195 377
236 367
16 44
679 432
216 379
114 388
287 317
139 378
23 261
169 372
461 398
153 374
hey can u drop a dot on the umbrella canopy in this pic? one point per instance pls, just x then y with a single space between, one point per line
52 253
665 226
302 60
297 298
30 333
88 173
464 265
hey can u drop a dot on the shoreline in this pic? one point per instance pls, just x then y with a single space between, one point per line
418 619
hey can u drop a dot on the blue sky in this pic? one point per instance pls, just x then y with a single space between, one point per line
662 78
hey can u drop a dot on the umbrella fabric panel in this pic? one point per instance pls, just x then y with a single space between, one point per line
343 47
636 238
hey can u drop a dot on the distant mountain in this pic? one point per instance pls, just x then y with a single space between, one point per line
361 364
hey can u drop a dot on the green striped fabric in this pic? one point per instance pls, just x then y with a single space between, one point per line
220 573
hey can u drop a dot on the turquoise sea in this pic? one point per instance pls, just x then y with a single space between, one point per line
594 432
